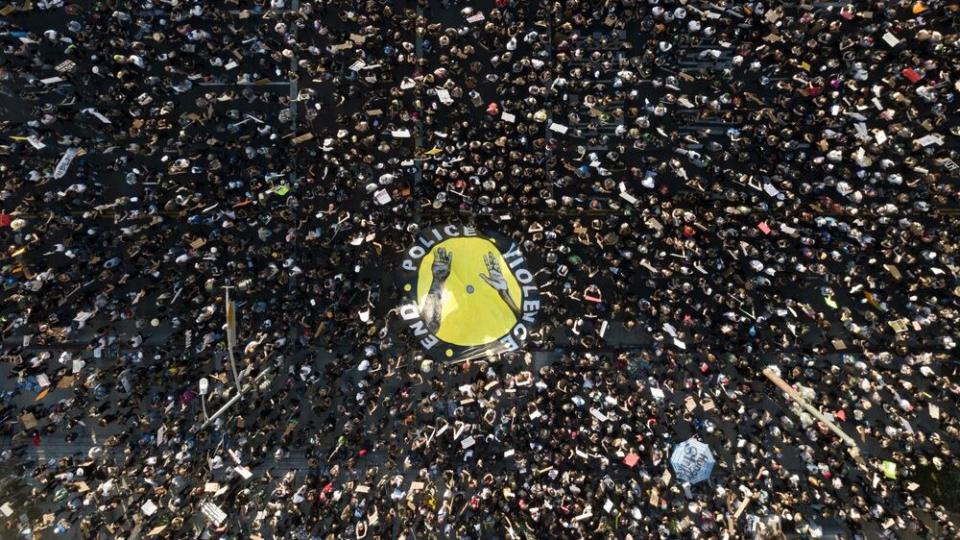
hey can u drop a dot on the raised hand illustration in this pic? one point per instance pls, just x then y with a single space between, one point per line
441 265
495 278
432 309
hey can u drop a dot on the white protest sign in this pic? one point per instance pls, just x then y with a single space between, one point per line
213 512
94 112
382 197
444 96
64 164
927 140
149 508
36 142
628 197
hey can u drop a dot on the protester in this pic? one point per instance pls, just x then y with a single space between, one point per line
702 190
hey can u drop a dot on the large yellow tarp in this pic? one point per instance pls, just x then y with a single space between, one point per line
473 313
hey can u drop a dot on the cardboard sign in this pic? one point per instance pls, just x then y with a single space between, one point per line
28 420
302 138
899 326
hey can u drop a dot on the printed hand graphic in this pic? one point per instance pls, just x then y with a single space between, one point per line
441 265
433 304
495 279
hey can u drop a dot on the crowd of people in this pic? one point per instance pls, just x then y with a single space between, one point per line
705 189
